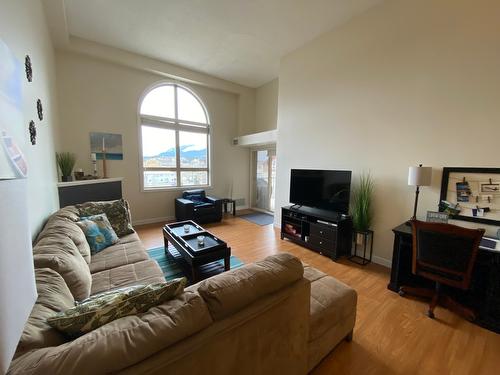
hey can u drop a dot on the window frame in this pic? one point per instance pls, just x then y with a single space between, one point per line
177 125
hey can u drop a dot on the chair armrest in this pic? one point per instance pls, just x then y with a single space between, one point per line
217 202
213 199
184 201
184 209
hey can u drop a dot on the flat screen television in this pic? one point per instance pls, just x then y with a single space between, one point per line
328 190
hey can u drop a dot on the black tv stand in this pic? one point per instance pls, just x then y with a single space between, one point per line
326 232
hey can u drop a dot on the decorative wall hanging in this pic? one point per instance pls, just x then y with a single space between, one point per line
32 130
39 109
471 194
28 68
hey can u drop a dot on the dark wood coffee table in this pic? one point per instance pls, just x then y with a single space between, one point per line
190 252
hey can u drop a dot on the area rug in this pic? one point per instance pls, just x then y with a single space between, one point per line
258 218
172 268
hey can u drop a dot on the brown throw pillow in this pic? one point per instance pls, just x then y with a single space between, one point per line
117 212
108 306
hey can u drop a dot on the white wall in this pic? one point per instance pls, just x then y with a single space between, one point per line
407 82
24 30
97 95
266 106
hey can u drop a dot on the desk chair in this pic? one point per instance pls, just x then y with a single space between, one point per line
446 254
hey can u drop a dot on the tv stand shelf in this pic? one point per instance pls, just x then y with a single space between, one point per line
325 232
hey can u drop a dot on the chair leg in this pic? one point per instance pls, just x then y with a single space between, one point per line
418 292
457 308
434 301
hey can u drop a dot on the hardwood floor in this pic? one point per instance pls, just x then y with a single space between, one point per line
392 334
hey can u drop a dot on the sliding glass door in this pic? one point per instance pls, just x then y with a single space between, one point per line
263 179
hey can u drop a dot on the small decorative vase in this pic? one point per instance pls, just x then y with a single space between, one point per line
66 178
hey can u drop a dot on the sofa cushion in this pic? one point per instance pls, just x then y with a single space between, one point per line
104 308
53 296
117 212
121 343
229 292
122 253
61 254
145 272
98 231
60 225
331 302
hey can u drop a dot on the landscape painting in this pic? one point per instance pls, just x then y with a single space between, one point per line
12 130
111 143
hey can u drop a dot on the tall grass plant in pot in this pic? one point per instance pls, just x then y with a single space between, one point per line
362 206
66 162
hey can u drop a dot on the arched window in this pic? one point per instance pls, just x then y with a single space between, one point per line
175 135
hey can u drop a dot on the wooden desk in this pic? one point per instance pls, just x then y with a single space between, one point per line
484 295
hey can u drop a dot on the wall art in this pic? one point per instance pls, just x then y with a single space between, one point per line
471 194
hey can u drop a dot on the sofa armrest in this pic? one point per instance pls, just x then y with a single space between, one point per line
121 343
184 209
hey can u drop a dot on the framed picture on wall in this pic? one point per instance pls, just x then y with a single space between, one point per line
471 194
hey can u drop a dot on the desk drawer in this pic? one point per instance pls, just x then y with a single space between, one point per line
323 231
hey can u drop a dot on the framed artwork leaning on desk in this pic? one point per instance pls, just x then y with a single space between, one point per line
471 194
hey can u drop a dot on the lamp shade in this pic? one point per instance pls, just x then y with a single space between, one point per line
419 176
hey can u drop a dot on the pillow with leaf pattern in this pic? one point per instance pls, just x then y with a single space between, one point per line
108 306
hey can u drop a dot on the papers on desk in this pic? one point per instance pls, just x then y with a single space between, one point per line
490 243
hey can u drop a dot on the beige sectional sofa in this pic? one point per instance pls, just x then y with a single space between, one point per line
275 315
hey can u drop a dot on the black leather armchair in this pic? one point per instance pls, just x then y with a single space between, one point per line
197 206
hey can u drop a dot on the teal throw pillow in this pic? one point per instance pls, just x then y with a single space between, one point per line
98 232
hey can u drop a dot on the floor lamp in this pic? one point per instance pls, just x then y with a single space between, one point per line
419 176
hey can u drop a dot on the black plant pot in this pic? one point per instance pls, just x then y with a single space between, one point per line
66 178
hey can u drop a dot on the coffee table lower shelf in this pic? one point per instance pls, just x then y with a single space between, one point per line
198 271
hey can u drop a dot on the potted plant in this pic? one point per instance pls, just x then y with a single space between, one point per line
66 162
362 206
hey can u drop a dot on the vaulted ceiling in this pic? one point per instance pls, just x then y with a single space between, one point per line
238 40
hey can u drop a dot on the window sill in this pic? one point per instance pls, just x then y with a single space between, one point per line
175 188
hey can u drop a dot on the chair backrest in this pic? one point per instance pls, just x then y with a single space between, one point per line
445 253
194 195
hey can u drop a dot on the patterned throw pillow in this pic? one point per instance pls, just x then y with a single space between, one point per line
117 212
106 307
98 232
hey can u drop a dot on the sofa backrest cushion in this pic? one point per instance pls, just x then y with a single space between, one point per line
121 343
60 254
117 211
229 292
63 224
53 296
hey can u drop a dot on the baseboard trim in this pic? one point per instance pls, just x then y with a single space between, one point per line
153 220
165 219
382 261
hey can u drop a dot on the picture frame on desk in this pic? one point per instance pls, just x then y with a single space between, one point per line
482 203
